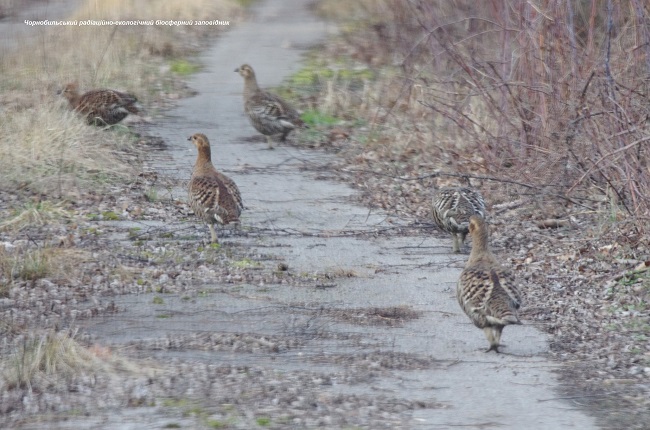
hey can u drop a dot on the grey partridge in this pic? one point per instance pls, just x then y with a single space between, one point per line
100 107
452 208
486 291
213 196
268 113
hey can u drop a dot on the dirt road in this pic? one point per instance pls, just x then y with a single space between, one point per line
363 331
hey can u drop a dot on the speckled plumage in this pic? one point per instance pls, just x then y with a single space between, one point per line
452 208
268 113
213 196
486 291
100 107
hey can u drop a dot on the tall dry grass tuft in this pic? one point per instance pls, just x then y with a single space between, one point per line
26 265
35 214
46 361
50 150
55 361
554 95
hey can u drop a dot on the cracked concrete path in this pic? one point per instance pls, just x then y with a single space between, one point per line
464 386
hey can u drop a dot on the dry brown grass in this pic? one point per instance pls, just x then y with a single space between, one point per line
46 148
53 361
548 95
43 361
57 264
34 214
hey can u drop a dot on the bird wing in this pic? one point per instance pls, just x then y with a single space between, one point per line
269 105
233 192
452 208
471 201
505 281
106 100
124 98
489 296
206 195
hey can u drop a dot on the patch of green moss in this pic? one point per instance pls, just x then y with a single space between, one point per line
315 118
245 263
184 67
215 424
263 421
110 216
245 3
317 71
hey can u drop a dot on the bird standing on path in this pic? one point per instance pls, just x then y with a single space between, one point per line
452 208
486 291
100 107
213 196
268 113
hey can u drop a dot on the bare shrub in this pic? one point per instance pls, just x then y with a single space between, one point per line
554 95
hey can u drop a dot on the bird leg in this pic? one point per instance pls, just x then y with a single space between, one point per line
496 330
283 138
457 243
269 139
493 335
213 233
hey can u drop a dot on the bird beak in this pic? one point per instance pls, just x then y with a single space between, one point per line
189 138
237 69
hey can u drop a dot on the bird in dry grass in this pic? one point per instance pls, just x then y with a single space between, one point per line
486 291
100 107
213 196
268 113
452 208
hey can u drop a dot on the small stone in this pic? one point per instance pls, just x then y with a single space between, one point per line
283 267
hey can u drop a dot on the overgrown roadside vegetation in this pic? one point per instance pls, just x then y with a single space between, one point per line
60 179
47 149
544 108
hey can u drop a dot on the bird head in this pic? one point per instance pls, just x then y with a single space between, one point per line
202 145
199 140
70 91
245 71
477 225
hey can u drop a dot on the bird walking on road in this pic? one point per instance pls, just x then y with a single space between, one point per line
213 196
452 208
100 107
268 113
486 291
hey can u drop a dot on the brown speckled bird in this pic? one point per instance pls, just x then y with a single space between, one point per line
268 113
100 107
213 196
452 208
486 291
